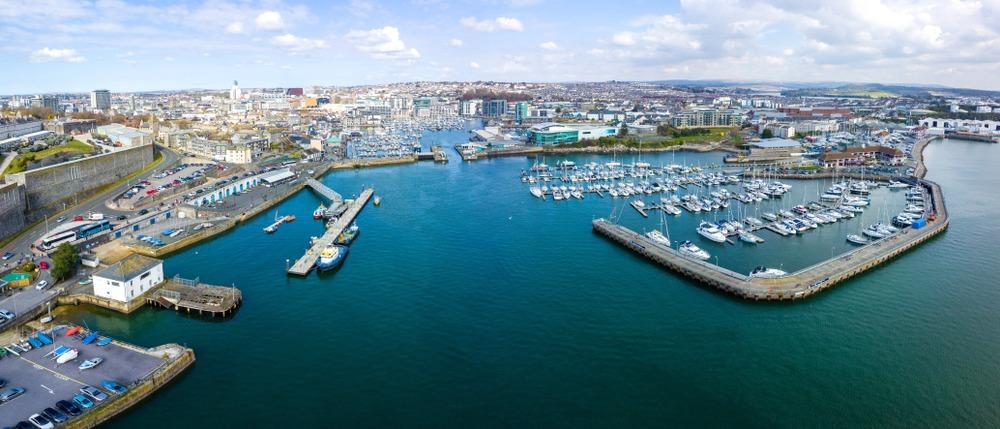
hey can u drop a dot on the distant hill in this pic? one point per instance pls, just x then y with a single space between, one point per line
838 89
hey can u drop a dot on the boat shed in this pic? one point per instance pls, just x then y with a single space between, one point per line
775 147
277 177
128 278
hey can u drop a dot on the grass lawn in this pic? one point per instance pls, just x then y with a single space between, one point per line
72 146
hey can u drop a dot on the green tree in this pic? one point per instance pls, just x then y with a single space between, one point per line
623 131
27 267
64 262
767 133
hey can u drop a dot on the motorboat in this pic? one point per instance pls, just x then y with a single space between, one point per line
377 201
348 235
331 257
318 213
762 272
898 185
857 239
711 231
90 363
68 356
769 216
536 191
689 249
658 238
902 220
749 237
873 232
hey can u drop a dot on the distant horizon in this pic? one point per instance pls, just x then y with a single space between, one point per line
819 84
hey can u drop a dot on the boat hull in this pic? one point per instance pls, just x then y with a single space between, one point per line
327 264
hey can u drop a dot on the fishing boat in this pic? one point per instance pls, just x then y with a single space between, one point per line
68 356
90 363
762 272
90 338
103 341
689 249
711 231
377 201
331 257
348 235
318 213
71 331
857 239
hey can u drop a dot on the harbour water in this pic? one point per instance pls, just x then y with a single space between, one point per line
465 302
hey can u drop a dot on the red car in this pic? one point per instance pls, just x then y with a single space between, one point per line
43 265
78 217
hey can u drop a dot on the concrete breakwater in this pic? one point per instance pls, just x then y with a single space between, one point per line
800 284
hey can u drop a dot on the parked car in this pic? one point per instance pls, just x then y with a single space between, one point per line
69 408
61 219
114 386
121 217
43 265
8 255
94 393
77 218
24 425
83 401
2 383
7 314
54 415
41 422
143 212
42 285
9 394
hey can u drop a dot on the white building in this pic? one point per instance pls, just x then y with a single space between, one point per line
124 136
128 278
235 93
239 154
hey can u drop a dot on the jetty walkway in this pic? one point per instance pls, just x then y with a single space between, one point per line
800 284
306 263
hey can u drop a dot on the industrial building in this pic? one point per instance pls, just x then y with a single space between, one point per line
553 133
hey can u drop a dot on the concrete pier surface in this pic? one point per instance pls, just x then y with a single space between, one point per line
800 284
306 263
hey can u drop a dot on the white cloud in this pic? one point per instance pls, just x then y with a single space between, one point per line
270 20
625 38
296 43
382 43
550 45
474 65
235 28
456 42
47 54
498 24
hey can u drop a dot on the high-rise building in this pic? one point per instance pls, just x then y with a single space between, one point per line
520 111
495 108
100 99
235 93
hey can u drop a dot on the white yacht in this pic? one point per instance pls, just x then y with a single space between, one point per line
658 238
857 239
536 191
766 273
711 231
689 249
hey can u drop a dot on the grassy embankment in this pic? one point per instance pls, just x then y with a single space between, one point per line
21 162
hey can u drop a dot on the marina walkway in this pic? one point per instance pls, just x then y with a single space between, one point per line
305 264
325 191
799 284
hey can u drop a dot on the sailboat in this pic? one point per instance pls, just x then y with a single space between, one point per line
660 238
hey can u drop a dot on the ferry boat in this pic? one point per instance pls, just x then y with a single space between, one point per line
689 249
762 272
318 213
331 257
711 231
348 235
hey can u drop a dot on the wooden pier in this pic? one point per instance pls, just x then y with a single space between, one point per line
306 263
193 296
800 284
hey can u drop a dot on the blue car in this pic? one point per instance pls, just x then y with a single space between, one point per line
114 386
54 415
83 401
7 256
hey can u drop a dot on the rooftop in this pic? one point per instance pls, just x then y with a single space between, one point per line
776 143
128 268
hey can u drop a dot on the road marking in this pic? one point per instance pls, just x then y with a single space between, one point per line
47 388
54 372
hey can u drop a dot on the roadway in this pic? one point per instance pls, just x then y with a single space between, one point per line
27 298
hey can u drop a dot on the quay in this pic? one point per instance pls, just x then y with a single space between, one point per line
306 263
191 295
800 284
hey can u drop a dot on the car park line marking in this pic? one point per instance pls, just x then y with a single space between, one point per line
56 373
47 388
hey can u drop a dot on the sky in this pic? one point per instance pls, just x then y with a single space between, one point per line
137 45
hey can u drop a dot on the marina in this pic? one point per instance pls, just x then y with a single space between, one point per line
308 261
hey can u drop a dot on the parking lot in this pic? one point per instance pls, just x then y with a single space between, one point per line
45 383
157 183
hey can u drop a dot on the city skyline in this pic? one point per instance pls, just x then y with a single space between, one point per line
69 46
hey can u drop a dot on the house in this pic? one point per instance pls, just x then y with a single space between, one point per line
128 278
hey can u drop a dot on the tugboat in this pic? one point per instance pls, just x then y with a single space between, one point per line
331 257
318 213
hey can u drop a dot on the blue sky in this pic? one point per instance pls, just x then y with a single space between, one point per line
128 45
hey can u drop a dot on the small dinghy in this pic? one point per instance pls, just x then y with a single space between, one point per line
90 338
90 363
71 331
45 339
104 341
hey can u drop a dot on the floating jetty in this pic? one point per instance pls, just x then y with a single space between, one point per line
800 284
306 263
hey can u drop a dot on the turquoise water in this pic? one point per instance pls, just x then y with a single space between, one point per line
465 302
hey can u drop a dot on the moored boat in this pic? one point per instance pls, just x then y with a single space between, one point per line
348 235
856 239
711 231
762 272
689 249
318 213
331 257
657 237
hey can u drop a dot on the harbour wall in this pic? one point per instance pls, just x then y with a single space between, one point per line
12 208
73 180
377 162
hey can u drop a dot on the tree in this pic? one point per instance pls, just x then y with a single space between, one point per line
64 262
767 133
623 131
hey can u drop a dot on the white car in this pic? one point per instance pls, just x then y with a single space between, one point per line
42 285
40 421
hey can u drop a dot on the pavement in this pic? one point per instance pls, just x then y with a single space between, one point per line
46 383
